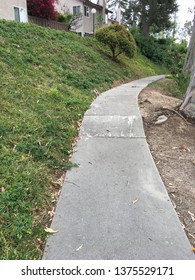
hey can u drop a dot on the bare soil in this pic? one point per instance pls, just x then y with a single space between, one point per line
172 145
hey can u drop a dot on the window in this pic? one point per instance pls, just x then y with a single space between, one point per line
86 11
76 10
16 14
20 14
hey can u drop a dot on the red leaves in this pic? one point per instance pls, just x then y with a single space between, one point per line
41 8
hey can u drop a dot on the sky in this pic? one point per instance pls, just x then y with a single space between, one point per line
183 14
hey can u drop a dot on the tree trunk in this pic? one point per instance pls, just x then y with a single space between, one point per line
188 106
145 28
190 57
144 19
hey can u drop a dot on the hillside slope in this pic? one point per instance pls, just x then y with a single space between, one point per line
48 80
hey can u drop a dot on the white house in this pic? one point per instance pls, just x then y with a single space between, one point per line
83 9
13 10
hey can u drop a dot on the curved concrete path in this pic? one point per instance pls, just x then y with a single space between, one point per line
115 205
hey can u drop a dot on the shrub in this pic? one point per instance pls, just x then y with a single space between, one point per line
118 39
162 50
41 8
65 18
182 79
150 48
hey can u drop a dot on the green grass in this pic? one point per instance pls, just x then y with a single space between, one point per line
47 82
175 86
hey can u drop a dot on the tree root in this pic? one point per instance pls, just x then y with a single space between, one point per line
177 113
186 120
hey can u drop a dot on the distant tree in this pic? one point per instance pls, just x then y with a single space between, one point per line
186 31
118 39
150 15
41 8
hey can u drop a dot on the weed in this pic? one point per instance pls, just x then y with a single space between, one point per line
182 79
170 87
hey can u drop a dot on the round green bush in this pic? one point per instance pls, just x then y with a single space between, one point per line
118 39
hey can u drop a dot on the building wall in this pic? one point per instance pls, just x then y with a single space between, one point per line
88 21
85 24
7 9
67 6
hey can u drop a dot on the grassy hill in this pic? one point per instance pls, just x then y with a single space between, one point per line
48 79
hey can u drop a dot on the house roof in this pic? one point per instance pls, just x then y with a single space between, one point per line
96 6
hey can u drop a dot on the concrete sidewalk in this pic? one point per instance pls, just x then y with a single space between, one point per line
114 205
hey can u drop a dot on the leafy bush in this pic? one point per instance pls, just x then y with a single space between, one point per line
162 51
182 79
175 56
118 39
151 48
65 18
41 8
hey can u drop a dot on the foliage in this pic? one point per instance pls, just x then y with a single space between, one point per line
169 86
186 31
182 79
150 48
176 85
48 80
150 15
41 8
118 39
64 17
162 50
175 56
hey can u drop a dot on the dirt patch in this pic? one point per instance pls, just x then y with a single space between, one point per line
172 145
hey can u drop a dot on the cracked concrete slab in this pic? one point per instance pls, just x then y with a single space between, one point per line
112 126
114 205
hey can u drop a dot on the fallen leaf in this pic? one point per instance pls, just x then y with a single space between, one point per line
79 248
15 45
135 200
192 216
60 181
191 235
50 230
183 226
2 189
174 205
23 158
51 213
179 215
